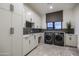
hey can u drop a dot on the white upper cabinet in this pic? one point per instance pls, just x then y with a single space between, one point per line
43 21
5 6
18 8
30 15
37 20
27 13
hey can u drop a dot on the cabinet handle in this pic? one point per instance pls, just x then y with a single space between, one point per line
11 8
29 41
11 30
69 38
34 37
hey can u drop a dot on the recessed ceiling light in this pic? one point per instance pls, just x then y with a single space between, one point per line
51 7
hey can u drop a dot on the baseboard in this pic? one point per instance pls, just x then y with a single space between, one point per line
70 46
31 50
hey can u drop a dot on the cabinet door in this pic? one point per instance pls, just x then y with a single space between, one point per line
5 6
5 39
42 38
18 8
32 42
25 46
36 40
17 36
74 41
67 40
71 40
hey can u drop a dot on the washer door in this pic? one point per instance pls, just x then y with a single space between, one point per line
58 38
47 37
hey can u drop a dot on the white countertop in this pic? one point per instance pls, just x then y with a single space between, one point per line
27 35
31 34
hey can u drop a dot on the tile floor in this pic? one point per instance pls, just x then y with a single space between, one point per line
53 50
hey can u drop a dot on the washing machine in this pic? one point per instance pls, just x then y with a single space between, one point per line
49 37
59 38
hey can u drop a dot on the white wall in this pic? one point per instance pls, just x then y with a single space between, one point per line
73 16
76 17
68 16
44 22
76 20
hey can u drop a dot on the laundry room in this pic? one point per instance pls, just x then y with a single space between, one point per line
39 29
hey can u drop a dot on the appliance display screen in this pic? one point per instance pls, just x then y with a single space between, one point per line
57 25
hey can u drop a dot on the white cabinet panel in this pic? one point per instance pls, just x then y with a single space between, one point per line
27 13
10 44
32 42
43 21
17 36
18 8
42 38
35 40
74 40
32 16
5 6
29 43
5 38
67 40
71 40
26 45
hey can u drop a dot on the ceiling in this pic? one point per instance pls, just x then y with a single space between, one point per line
43 8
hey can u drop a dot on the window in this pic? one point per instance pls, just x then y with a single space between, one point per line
50 25
54 25
57 25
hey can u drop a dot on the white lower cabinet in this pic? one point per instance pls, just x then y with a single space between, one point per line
35 39
26 45
29 43
71 40
42 39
